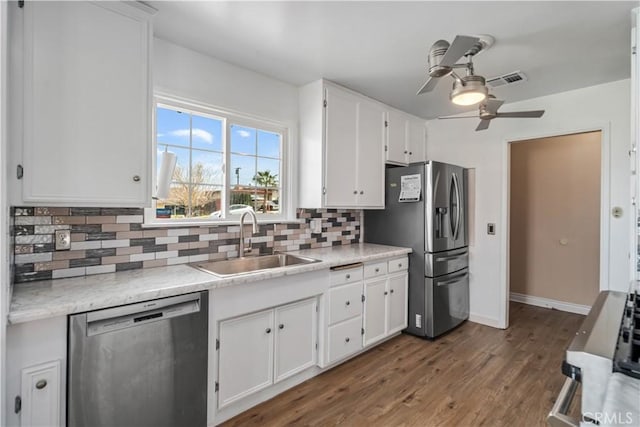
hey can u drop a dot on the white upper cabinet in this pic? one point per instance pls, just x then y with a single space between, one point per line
341 148
406 138
87 104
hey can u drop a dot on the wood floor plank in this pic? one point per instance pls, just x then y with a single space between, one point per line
473 376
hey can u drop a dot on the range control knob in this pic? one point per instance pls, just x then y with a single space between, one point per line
625 334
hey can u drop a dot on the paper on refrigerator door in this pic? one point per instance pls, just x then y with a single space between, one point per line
410 188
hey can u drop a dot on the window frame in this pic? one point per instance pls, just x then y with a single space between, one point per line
229 118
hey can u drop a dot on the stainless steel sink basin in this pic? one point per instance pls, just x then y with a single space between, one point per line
236 266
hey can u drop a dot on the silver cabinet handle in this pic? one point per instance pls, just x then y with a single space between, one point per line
41 384
405 151
386 293
355 191
348 276
391 290
348 303
136 178
558 415
377 270
361 192
281 326
347 339
268 330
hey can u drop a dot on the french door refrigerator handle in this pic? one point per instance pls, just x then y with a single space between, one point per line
458 207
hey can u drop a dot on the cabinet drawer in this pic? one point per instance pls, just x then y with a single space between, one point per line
375 270
345 302
399 264
348 275
345 338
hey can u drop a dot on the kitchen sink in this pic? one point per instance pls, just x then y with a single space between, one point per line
245 265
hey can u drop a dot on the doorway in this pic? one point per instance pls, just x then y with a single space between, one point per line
554 216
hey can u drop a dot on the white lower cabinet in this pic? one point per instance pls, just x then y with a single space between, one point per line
296 338
260 349
246 356
40 395
374 310
386 303
344 339
397 302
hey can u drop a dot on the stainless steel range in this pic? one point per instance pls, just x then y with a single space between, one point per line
604 358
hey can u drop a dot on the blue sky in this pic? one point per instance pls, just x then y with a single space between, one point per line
246 144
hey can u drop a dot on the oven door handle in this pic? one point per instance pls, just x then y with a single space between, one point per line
558 415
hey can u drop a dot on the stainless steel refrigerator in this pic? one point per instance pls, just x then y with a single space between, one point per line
426 210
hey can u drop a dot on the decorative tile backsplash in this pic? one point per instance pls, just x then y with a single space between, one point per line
105 240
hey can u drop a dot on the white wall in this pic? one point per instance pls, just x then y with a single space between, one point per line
189 74
604 106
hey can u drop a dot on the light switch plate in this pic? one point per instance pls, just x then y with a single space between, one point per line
63 240
316 226
491 228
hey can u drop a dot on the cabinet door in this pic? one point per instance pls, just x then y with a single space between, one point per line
397 303
40 392
296 338
396 138
245 356
370 155
344 339
340 145
374 310
416 140
86 104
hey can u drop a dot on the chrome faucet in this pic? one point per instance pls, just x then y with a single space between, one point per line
241 249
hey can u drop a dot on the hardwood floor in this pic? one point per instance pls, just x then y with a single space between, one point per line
473 376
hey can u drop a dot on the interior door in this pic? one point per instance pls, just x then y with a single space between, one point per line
296 337
246 356
374 310
340 145
370 155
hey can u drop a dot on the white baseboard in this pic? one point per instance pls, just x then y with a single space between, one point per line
488 321
550 303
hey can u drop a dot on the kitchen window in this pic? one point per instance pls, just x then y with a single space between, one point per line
226 165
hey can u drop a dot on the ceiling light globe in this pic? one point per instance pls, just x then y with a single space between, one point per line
470 91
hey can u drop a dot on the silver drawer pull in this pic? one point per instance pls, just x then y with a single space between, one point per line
346 339
377 270
348 303
558 415
41 384
348 276
454 280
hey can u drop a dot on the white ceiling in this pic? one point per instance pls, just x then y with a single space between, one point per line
380 48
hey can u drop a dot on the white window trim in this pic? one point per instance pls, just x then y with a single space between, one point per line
287 174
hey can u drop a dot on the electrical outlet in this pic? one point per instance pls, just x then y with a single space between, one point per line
63 240
316 226
491 228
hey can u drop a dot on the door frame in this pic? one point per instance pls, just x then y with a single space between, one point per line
605 205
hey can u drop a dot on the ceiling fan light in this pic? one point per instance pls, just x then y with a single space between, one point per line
470 91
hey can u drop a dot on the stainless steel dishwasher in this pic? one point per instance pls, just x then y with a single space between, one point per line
142 364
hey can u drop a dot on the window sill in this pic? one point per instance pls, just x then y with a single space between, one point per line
151 222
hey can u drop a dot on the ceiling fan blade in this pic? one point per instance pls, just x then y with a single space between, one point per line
484 124
459 117
428 85
522 114
493 104
459 46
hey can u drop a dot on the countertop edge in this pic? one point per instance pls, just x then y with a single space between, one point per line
204 281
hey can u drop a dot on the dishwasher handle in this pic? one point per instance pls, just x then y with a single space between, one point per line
133 315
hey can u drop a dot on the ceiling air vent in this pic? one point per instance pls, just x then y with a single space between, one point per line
507 79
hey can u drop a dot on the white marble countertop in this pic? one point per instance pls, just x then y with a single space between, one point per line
60 297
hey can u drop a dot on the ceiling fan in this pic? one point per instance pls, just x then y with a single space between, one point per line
469 89
489 111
